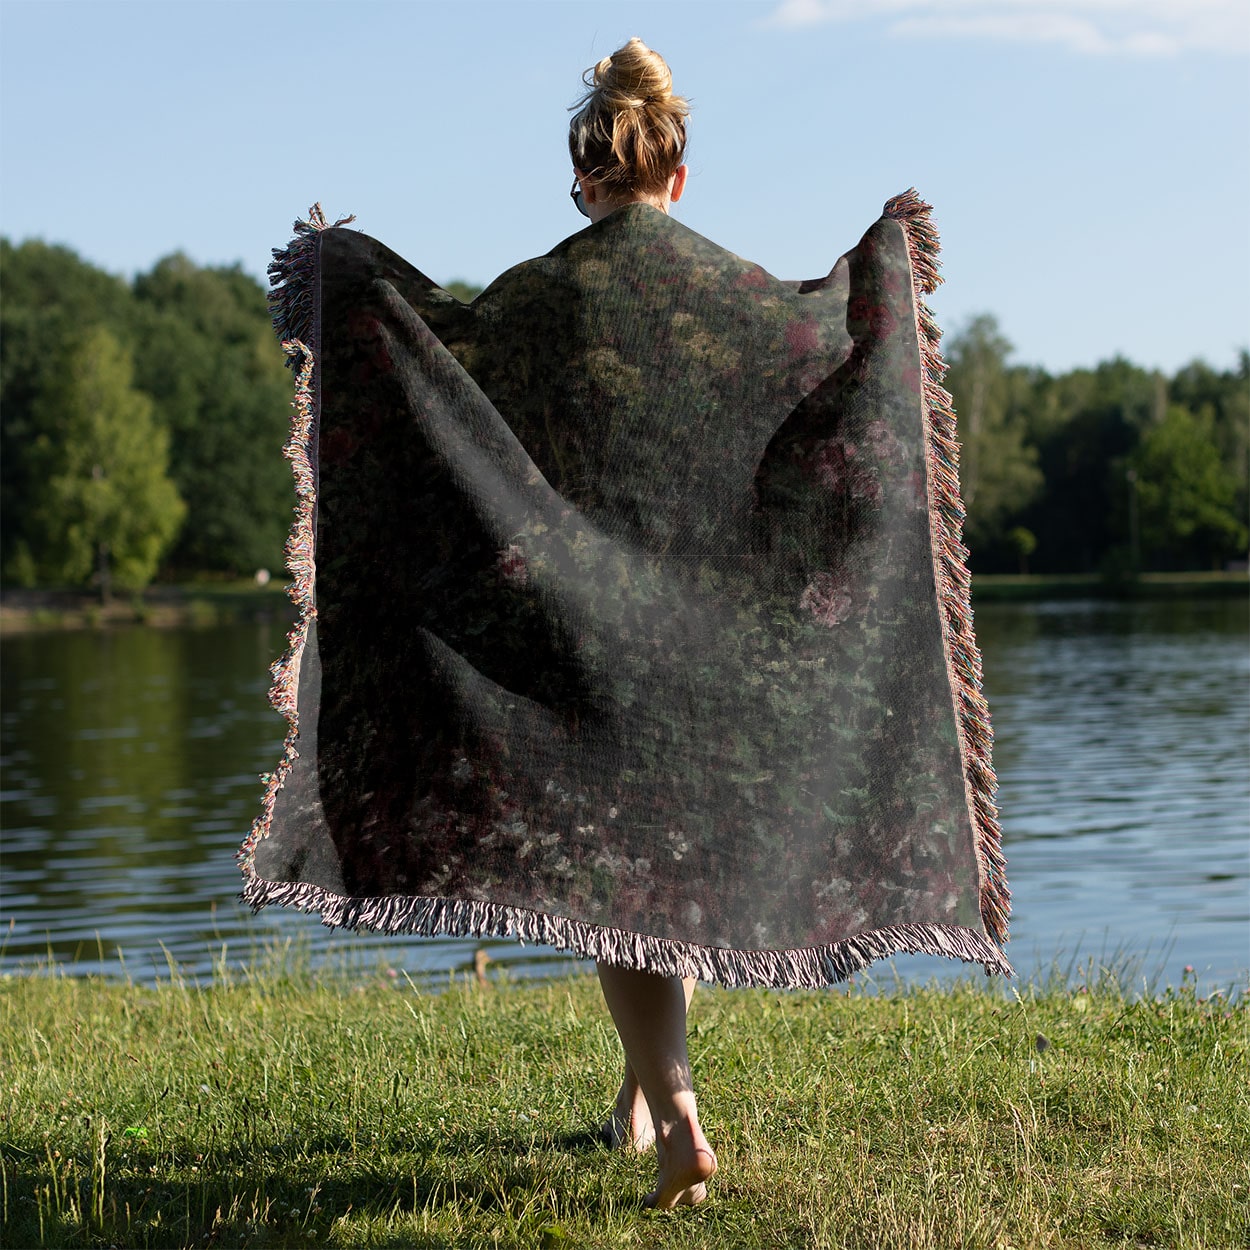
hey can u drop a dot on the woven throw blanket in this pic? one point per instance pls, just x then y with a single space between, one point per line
634 618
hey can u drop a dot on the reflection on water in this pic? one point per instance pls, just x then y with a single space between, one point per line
131 762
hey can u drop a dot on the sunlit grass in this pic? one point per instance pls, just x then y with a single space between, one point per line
280 1107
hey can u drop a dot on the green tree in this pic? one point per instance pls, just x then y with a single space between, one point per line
207 356
1223 399
465 292
1187 493
998 467
1024 543
1087 423
102 506
51 296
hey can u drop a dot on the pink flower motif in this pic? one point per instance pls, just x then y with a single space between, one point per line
826 599
829 463
880 439
866 485
881 321
800 339
511 565
834 466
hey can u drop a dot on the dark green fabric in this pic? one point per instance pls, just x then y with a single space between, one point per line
626 605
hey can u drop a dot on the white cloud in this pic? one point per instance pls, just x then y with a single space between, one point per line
1138 28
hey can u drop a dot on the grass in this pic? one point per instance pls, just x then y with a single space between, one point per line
201 603
1030 587
283 1108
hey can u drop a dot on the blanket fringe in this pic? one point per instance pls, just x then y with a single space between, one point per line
293 304
293 301
954 584
808 968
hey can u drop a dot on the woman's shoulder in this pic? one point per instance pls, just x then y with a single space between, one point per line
637 248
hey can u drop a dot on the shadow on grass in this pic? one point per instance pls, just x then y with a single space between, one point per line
295 1193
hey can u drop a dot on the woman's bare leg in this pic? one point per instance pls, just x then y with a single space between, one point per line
649 1012
629 1126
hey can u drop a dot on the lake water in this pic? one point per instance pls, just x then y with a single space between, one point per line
130 762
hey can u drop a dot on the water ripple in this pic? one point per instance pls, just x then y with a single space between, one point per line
131 764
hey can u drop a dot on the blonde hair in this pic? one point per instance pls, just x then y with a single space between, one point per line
629 132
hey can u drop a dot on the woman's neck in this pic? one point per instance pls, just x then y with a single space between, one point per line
603 206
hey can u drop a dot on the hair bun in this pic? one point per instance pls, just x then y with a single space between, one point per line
629 129
633 77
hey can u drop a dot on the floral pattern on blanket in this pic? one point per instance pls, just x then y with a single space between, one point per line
625 593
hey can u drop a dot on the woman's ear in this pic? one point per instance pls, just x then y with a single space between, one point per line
678 183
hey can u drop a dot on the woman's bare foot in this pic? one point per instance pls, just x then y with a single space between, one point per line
629 1126
686 1165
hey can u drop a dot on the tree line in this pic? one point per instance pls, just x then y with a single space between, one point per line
1113 470
140 424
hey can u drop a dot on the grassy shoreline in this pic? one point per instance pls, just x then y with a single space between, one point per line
216 603
281 1108
171 606
1003 587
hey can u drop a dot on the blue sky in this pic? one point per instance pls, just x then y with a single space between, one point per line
1087 159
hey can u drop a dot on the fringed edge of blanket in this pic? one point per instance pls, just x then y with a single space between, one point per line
954 583
293 277
293 303
805 968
